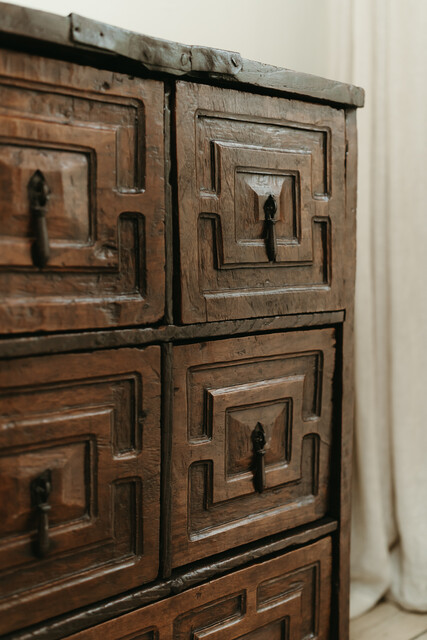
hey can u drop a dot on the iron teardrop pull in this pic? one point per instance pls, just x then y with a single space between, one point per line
41 488
258 441
38 194
270 210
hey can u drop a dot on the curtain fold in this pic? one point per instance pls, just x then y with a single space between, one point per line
381 45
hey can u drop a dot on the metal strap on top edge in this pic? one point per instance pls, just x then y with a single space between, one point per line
153 53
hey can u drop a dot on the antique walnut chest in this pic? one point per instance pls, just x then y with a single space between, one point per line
177 280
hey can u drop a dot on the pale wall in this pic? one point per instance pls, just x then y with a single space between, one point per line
288 33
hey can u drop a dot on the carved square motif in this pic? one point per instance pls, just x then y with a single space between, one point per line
258 174
252 188
224 389
240 425
236 152
104 215
92 422
276 405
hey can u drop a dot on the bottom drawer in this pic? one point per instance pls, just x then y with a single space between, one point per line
287 598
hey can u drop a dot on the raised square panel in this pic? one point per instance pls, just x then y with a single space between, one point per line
259 173
94 142
225 491
286 598
261 204
275 405
90 425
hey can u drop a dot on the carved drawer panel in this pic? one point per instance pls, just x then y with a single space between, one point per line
79 471
81 198
287 598
252 438
261 204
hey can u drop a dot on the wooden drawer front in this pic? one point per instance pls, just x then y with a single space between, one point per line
234 151
225 392
91 421
97 140
287 598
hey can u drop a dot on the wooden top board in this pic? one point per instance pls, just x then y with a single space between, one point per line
81 36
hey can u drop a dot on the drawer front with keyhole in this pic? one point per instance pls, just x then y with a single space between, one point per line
252 439
79 471
261 197
81 201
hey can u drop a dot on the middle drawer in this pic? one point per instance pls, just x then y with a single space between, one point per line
252 436
80 480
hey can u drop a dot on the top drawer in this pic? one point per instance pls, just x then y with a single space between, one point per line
81 196
261 204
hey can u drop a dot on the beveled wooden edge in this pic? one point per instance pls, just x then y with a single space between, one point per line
177 59
114 338
346 391
180 581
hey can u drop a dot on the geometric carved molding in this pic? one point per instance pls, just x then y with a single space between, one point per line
264 397
252 188
223 391
287 598
249 149
257 174
93 421
105 210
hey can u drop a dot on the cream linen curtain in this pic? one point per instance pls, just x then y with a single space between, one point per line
381 45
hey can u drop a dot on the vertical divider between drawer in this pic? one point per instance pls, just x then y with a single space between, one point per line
173 260
166 487
169 181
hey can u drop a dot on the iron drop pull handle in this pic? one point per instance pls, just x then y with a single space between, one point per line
41 488
258 440
270 210
38 194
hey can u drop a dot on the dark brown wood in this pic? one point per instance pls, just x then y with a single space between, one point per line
222 390
77 33
347 383
212 222
60 343
235 151
288 597
88 133
179 582
167 430
232 560
169 169
92 422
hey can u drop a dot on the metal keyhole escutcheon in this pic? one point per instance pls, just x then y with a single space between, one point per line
38 194
270 210
41 488
258 441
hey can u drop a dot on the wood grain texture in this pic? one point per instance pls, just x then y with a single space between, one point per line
288 597
234 150
346 383
88 132
93 421
223 389
214 225
63 342
77 34
180 581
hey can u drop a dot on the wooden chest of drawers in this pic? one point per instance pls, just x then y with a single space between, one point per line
177 280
